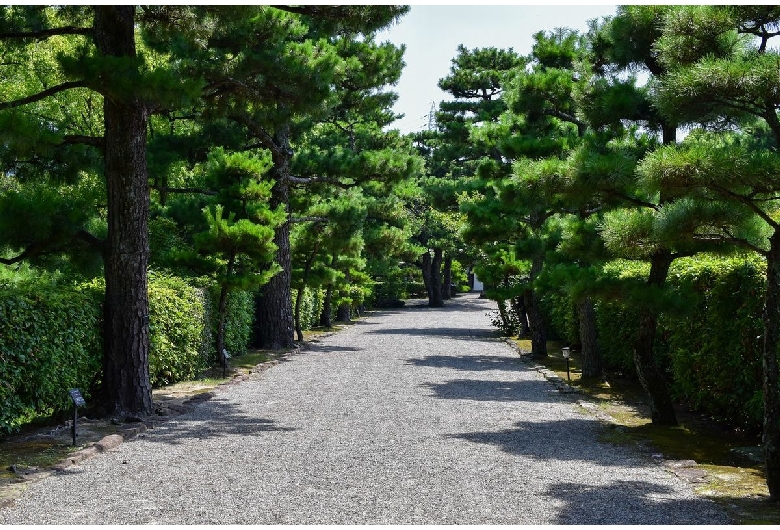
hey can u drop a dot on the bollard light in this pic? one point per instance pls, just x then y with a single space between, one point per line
566 352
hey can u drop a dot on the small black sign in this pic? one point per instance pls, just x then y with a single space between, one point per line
75 395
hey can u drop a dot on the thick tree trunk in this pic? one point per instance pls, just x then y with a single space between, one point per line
771 436
650 374
436 299
274 328
126 387
591 356
447 287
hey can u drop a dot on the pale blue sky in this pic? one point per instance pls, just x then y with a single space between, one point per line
432 34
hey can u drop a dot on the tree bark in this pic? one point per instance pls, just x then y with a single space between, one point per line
425 267
771 435
436 299
518 304
592 367
650 374
274 328
536 323
447 287
126 387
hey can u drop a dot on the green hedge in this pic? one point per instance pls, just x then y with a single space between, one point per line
709 338
49 342
178 315
715 350
311 306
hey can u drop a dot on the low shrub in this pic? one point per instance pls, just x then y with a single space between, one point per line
177 318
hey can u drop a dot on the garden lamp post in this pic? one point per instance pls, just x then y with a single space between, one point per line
566 352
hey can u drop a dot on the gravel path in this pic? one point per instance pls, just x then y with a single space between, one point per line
409 416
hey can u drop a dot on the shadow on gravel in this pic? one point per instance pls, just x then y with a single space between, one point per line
479 390
562 440
452 333
629 502
224 420
316 347
470 363
459 304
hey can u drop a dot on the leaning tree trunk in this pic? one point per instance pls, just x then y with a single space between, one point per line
126 387
650 374
771 436
436 299
592 367
274 328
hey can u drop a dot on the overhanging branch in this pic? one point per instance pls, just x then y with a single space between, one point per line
42 95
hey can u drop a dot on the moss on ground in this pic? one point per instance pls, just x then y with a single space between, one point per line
732 479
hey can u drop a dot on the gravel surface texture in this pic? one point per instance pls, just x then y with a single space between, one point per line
415 416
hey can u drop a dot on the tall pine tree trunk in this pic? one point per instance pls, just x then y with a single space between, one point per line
274 328
591 356
436 299
650 374
771 435
126 386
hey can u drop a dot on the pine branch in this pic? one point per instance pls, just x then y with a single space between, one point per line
201 191
94 141
42 95
309 219
46 33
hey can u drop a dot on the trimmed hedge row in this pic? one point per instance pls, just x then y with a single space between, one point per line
709 336
50 340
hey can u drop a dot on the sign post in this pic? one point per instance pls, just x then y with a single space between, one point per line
78 401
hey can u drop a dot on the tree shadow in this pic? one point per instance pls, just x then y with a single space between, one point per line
631 502
547 440
451 333
212 419
489 390
470 363
460 303
329 348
